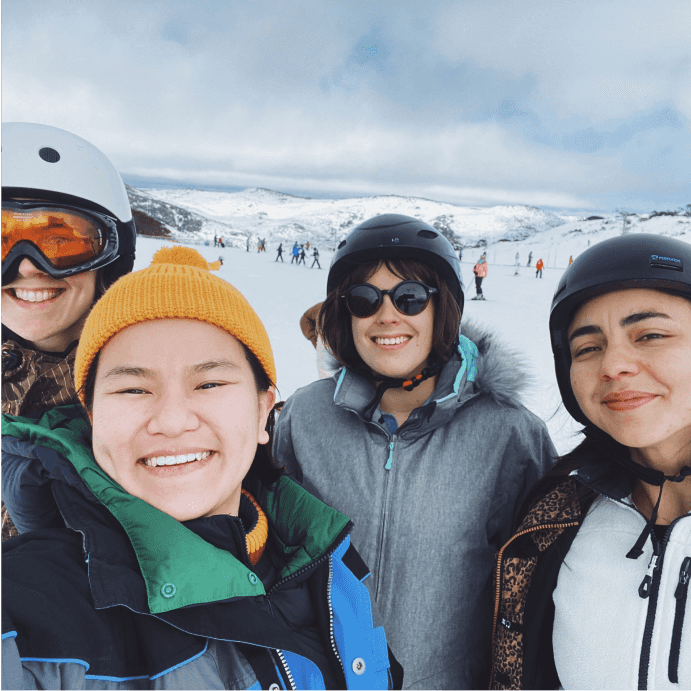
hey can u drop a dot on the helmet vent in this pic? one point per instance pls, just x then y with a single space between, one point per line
49 155
341 245
427 234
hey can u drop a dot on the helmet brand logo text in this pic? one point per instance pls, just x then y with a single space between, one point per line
660 262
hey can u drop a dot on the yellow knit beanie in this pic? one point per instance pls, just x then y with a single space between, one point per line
176 285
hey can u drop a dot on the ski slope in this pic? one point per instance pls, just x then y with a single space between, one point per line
516 310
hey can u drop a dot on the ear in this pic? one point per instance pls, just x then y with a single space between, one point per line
266 403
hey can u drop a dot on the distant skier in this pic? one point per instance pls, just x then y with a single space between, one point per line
530 259
538 267
220 242
518 266
315 254
248 243
302 255
460 254
480 270
215 240
280 253
296 253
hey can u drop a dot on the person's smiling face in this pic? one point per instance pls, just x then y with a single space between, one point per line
177 416
48 312
631 368
389 342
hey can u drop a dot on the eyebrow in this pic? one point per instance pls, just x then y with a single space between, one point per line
640 316
146 373
129 371
213 364
626 321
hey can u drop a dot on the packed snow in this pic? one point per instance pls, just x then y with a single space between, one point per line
517 305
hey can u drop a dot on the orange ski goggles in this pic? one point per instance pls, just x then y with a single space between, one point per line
60 240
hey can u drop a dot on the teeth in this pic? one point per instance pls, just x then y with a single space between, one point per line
176 460
392 341
35 295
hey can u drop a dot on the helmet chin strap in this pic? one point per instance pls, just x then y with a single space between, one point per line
386 383
648 475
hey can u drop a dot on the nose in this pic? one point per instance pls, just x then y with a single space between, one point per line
27 269
173 415
618 360
387 312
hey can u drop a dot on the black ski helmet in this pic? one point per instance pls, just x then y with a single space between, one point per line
51 164
394 236
631 261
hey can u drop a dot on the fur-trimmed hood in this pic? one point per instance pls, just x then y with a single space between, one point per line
502 371
483 367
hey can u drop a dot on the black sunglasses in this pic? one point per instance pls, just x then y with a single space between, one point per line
408 297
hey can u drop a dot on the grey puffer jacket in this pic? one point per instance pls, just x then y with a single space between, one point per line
431 503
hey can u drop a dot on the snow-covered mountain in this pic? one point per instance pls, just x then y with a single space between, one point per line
556 245
278 217
162 219
195 216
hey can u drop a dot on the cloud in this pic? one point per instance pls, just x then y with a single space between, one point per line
553 103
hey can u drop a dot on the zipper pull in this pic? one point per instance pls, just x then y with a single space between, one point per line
644 587
390 459
684 575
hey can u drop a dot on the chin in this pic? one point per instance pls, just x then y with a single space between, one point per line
391 368
633 439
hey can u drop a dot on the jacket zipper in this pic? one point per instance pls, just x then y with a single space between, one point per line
680 595
498 577
331 614
389 460
382 532
652 607
644 587
286 669
304 569
331 621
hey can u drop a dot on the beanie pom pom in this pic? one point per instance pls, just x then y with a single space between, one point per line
184 256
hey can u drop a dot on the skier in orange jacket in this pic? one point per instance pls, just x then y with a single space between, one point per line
480 270
538 268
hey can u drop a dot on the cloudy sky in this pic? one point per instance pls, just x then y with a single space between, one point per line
553 103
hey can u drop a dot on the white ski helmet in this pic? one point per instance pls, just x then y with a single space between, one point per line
52 165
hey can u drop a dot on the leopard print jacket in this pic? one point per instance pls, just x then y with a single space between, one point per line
553 513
